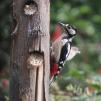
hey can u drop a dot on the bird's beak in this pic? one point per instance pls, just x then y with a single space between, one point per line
61 24
64 26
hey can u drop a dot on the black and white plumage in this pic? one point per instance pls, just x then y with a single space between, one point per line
70 32
65 38
65 51
61 49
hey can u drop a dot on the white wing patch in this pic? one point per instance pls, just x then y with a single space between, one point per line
69 48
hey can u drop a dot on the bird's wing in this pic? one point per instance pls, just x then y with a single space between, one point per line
56 47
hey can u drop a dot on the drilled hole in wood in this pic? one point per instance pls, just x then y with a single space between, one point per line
35 60
30 7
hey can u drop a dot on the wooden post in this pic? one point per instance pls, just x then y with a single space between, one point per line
30 55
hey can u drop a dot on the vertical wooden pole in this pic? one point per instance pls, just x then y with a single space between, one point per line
30 43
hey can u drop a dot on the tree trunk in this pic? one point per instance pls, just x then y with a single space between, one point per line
30 54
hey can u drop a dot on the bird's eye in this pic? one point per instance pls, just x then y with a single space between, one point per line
69 27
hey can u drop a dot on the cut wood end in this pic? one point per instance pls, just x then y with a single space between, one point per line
30 8
35 60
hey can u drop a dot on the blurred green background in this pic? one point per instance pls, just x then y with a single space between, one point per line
5 21
80 80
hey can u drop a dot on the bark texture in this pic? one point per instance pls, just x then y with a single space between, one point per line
30 37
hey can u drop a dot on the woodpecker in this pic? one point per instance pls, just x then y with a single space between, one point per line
62 39
57 67
60 49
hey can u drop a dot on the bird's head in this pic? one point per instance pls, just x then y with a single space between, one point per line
70 30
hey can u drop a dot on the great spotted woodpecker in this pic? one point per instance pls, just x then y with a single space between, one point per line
61 50
56 69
